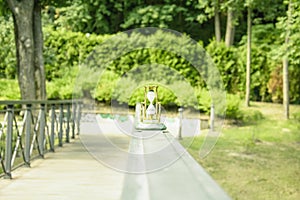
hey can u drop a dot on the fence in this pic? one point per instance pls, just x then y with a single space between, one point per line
29 129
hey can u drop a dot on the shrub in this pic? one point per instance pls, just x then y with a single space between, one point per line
250 116
105 88
9 89
228 63
7 49
233 111
64 87
204 100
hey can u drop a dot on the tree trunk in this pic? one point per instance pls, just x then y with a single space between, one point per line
217 21
39 68
23 23
230 29
248 70
286 88
285 63
181 21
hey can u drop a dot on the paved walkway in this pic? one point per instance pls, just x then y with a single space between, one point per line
69 173
79 170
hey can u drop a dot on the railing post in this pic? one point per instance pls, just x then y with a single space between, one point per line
42 130
9 135
52 134
78 118
74 107
28 123
61 116
212 117
68 123
180 110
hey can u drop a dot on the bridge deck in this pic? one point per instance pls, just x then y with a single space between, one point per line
69 173
74 173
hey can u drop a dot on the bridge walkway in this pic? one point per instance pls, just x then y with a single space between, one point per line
88 168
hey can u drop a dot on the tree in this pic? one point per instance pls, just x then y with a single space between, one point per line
29 47
40 79
248 66
288 54
217 20
230 27
234 10
285 62
264 9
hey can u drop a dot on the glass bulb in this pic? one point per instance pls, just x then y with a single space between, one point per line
151 95
151 110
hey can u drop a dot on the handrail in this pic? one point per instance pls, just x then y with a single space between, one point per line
13 102
37 127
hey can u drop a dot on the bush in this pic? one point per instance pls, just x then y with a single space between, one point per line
126 92
65 50
9 89
64 87
250 116
7 49
106 86
233 111
204 100
227 60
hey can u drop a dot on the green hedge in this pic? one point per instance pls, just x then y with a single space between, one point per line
9 89
65 51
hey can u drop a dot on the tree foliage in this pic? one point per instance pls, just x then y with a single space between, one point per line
73 28
7 49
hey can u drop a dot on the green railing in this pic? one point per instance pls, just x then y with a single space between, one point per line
29 129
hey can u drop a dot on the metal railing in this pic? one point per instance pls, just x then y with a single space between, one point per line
29 129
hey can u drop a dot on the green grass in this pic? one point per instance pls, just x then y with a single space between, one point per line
257 161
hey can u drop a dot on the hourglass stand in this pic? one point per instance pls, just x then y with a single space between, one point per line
148 112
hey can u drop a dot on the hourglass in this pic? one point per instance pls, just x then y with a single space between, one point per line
149 111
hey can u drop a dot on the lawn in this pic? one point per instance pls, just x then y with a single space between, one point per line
260 160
